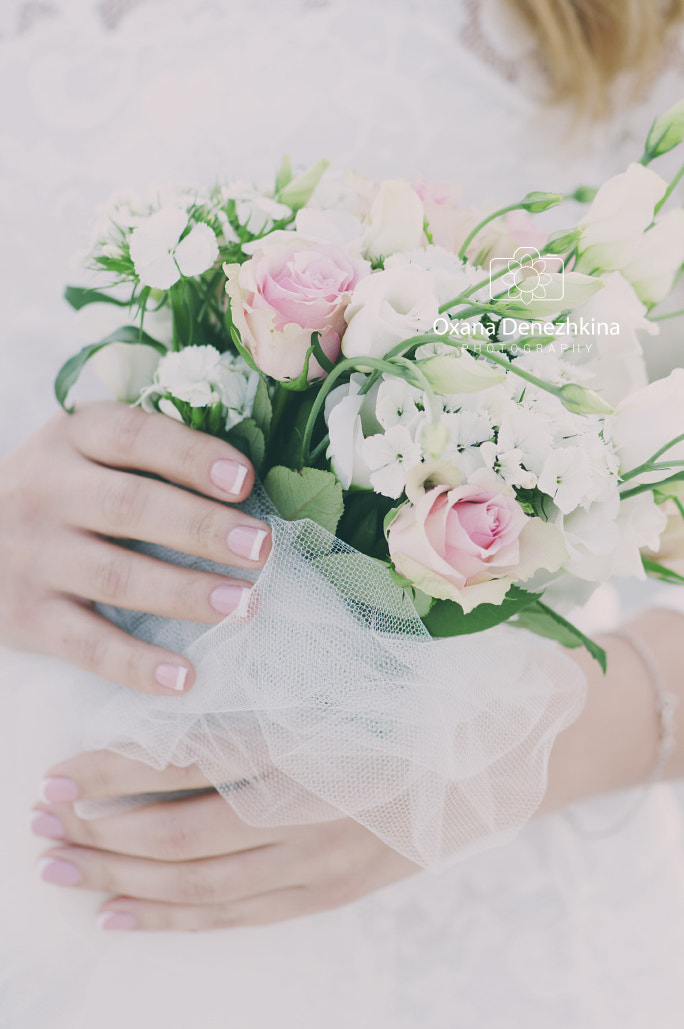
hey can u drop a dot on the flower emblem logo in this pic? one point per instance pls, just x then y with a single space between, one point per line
526 276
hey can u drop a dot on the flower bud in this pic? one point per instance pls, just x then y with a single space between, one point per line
579 400
535 202
666 132
562 242
434 439
298 190
460 372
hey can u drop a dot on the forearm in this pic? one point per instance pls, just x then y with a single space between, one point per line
613 744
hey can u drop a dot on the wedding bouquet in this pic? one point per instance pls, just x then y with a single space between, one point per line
449 413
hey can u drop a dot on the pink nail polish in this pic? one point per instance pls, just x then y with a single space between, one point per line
230 600
246 541
60 872
44 824
171 676
58 790
228 476
116 920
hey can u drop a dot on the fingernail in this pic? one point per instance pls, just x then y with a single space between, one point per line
247 542
44 824
62 873
171 676
58 790
228 476
116 920
230 600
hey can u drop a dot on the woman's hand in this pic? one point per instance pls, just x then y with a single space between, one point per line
192 863
66 496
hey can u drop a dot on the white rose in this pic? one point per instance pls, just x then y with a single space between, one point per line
615 361
647 420
658 259
351 417
388 307
124 368
620 213
395 221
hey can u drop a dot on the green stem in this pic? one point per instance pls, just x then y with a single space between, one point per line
349 364
668 192
485 221
647 487
663 317
647 465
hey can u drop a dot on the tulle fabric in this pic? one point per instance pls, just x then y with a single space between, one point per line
330 698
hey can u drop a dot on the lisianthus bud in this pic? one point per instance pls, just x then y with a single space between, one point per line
666 132
536 201
583 401
298 190
460 372
562 242
584 194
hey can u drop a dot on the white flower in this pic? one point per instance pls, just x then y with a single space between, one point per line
659 256
459 372
337 227
619 214
395 221
508 464
190 375
349 415
236 384
523 431
386 308
564 478
615 362
398 403
467 430
606 539
451 277
161 257
389 456
647 420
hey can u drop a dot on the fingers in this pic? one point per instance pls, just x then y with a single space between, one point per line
115 503
201 826
85 566
273 906
71 631
216 880
126 437
101 773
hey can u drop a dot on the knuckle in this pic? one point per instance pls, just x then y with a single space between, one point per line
189 596
195 886
129 426
112 579
123 502
87 651
173 841
191 460
203 529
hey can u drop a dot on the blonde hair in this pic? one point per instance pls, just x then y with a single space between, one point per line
586 44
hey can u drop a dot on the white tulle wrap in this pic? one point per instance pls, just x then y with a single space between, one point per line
332 699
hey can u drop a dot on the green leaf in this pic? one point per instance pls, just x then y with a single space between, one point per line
446 618
284 173
248 438
262 410
68 374
543 621
309 493
79 297
661 571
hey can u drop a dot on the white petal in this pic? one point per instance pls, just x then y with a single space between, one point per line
198 251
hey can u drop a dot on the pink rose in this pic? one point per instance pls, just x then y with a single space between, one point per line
470 543
285 293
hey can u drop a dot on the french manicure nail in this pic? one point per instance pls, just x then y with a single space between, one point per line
171 676
116 920
228 476
60 872
44 824
230 600
58 790
246 541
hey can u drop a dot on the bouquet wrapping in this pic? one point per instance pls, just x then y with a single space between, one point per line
449 414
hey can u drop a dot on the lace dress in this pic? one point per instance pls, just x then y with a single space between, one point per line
558 930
